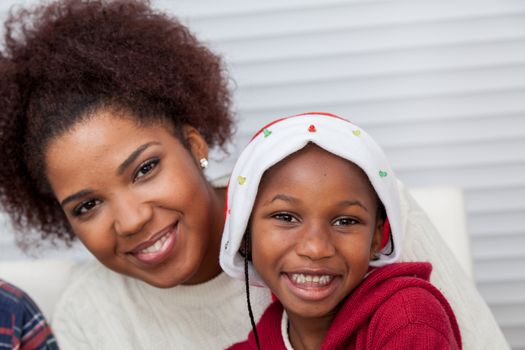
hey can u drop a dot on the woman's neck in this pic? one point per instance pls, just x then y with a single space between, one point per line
210 267
308 333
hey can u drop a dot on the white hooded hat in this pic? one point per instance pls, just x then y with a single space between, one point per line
281 138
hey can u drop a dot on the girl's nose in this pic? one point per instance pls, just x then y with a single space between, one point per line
316 244
130 216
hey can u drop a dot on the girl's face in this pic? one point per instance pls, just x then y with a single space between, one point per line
136 198
314 228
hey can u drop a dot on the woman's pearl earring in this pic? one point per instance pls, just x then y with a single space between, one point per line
204 163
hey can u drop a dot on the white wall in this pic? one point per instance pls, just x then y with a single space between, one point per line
440 85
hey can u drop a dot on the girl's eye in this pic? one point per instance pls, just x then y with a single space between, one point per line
345 222
145 168
85 207
285 217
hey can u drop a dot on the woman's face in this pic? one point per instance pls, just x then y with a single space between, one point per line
136 198
314 228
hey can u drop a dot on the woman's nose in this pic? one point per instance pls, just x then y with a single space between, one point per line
316 244
130 216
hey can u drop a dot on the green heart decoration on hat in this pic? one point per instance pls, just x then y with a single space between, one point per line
241 180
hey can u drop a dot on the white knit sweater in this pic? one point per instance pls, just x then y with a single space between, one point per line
105 310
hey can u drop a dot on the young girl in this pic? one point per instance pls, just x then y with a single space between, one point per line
314 214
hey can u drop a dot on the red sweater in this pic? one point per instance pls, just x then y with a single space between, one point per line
395 307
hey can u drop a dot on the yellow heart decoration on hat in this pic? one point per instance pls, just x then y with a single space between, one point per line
356 132
241 180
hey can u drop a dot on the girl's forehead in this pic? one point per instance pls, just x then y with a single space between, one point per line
317 164
314 156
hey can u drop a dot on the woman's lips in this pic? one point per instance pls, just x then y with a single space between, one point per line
157 250
311 286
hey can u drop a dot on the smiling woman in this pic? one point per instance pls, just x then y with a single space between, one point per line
114 106
138 208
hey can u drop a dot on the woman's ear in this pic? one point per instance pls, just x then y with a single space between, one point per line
377 238
196 142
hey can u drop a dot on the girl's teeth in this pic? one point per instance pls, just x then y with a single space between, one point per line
155 247
300 278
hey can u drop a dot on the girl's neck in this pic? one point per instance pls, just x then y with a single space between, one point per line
308 333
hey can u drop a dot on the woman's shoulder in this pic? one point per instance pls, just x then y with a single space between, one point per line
89 280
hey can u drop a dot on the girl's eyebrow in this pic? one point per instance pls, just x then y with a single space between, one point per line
75 196
293 200
282 197
134 155
348 203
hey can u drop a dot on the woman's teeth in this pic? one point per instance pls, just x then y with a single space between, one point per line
300 278
155 247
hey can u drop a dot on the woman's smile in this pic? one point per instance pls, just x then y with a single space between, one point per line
156 249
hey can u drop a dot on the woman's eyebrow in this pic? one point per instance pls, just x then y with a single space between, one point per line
134 155
75 196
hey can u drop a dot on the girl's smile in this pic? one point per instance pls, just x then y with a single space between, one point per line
312 286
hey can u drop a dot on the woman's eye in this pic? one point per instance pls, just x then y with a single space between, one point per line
345 222
285 217
85 207
145 168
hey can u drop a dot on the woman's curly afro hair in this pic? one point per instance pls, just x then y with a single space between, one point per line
64 60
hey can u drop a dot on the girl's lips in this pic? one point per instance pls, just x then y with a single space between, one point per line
311 286
157 250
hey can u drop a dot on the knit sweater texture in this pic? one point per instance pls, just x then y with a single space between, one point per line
106 310
395 307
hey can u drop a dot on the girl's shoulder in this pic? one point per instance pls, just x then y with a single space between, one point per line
415 315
